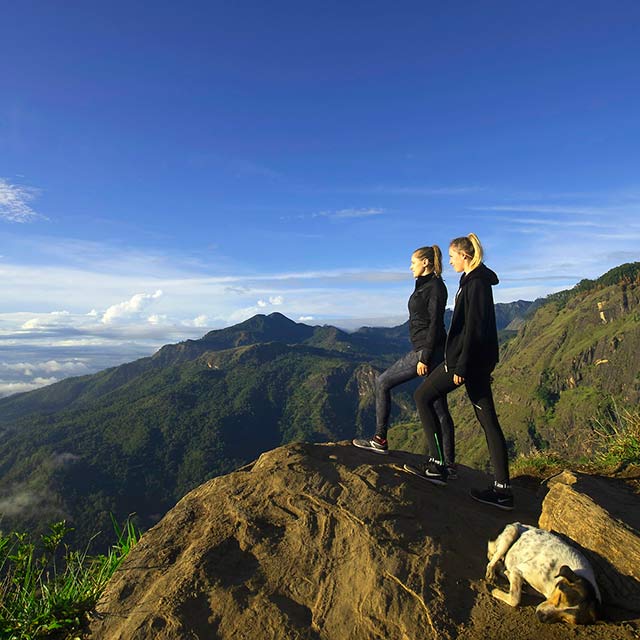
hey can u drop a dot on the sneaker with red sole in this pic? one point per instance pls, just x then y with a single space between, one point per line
377 444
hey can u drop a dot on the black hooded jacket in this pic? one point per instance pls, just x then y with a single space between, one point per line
426 317
472 343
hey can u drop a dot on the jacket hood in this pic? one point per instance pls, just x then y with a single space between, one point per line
482 272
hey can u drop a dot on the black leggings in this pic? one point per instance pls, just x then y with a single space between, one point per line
436 386
398 373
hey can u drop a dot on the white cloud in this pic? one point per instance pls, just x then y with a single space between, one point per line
19 502
276 301
40 274
22 499
14 201
349 213
46 321
63 458
338 214
157 319
201 320
571 210
425 191
9 388
130 307
48 367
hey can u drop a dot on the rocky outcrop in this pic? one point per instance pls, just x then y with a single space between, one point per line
325 542
602 515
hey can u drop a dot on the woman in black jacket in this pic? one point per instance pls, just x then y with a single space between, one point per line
471 353
428 335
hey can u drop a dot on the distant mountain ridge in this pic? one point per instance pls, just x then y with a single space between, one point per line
136 437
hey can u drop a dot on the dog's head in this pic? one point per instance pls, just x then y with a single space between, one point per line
573 600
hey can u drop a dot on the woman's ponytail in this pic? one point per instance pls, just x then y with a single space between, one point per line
437 260
470 246
433 255
477 251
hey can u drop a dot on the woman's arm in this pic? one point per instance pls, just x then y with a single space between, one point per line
434 304
477 298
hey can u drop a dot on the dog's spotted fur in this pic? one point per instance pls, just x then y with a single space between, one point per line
552 567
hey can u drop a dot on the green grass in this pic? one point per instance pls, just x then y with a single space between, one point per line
47 589
539 464
614 445
617 440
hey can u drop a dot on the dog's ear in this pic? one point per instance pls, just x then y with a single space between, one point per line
576 590
567 573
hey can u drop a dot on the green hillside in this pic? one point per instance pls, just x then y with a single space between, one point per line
137 437
571 364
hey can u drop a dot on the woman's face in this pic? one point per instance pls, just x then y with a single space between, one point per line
419 266
457 259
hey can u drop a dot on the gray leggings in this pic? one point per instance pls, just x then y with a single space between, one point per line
402 371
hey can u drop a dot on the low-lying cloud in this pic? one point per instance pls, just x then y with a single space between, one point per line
130 308
11 388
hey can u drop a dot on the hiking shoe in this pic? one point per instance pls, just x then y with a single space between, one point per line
501 499
432 471
377 444
452 472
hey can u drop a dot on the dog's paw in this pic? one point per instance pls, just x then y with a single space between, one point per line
490 574
501 595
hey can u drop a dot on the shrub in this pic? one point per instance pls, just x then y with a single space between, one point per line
47 589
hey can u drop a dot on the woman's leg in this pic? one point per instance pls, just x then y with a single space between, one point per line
401 371
434 388
479 391
446 426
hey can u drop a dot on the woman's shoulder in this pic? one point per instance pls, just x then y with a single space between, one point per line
435 284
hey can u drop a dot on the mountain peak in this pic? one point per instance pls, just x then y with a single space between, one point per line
276 315
274 327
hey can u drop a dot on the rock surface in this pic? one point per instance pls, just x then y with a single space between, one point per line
575 507
325 542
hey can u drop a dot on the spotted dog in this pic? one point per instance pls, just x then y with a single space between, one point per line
552 567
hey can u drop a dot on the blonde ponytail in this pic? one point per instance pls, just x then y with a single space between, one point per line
470 246
477 251
437 260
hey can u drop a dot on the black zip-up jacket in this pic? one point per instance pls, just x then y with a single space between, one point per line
426 317
472 343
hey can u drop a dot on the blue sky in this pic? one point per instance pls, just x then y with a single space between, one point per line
168 168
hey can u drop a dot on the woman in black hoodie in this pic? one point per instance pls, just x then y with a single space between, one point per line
471 354
427 332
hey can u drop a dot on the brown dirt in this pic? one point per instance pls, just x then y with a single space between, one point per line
326 542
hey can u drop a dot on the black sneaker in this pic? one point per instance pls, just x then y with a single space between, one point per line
377 444
432 471
503 499
452 471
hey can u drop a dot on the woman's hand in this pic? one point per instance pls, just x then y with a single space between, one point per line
422 369
457 380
